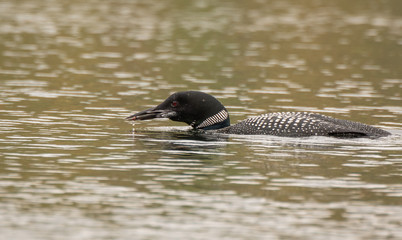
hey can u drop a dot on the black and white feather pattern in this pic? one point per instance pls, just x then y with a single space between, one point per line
217 118
301 124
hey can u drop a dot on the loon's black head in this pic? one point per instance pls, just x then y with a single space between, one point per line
199 110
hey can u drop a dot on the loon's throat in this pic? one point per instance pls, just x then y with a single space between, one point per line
219 120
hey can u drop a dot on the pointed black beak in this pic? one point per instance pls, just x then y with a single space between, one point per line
151 113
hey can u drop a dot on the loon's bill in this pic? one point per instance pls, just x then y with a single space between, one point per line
150 114
203 111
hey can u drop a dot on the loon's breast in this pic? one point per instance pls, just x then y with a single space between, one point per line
302 124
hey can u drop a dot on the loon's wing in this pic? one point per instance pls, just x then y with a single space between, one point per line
301 124
348 128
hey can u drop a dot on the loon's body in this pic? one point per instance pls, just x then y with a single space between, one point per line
204 112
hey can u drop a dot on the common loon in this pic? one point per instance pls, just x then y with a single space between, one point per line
204 112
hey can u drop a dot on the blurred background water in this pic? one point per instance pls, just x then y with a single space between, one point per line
72 168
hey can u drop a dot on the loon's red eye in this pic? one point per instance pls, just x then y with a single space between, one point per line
174 104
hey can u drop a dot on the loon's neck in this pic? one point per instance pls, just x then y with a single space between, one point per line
214 122
225 123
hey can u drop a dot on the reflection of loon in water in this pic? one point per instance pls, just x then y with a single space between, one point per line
203 111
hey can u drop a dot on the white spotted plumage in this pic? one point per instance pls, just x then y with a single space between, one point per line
293 124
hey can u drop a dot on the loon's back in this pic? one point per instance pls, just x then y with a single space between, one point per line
302 124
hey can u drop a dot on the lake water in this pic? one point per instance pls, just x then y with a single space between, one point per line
72 168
